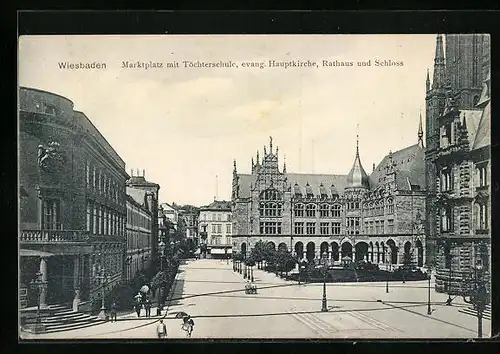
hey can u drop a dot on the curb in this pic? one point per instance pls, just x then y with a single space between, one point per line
171 293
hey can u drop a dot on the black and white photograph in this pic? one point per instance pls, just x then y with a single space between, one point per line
200 187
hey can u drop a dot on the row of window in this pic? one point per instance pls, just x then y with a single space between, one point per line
325 228
137 240
217 240
217 228
325 210
481 178
480 218
211 216
102 220
137 219
102 183
270 228
377 227
270 209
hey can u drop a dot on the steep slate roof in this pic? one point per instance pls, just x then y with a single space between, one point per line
482 137
137 195
217 205
409 166
302 179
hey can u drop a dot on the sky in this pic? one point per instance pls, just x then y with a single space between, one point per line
185 126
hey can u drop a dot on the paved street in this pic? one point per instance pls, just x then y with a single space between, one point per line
213 295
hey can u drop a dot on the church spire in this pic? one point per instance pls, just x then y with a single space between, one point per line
357 145
270 144
420 132
284 163
439 79
257 157
427 82
234 166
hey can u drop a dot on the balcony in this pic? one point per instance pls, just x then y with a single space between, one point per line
53 236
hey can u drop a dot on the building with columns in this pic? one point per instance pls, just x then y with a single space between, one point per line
71 203
375 217
458 164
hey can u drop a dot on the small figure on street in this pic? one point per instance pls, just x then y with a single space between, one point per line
187 325
161 329
147 306
113 311
138 307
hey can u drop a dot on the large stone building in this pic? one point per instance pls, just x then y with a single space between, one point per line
138 255
72 203
376 218
458 114
216 229
146 193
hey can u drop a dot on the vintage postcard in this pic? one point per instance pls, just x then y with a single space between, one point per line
254 186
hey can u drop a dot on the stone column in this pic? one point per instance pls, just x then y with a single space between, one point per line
76 282
43 290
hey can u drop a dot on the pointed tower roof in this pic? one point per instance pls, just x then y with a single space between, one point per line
357 177
427 82
420 133
439 79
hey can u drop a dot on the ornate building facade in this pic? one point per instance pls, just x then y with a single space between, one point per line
72 203
458 166
377 218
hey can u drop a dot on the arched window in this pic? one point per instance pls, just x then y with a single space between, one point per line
324 210
311 210
268 207
481 217
270 194
299 210
335 211
390 206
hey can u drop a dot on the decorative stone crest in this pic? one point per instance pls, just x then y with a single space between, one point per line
50 158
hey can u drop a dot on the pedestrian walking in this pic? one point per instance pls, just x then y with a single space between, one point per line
161 330
138 307
147 306
113 311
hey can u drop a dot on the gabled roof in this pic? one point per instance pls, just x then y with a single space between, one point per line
483 132
408 163
471 118
137 195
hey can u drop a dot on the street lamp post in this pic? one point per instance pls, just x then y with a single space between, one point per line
449 300
478 297
324 306
103 278
160 306
429 310
387 286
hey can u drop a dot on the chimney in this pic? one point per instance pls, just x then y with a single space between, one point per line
373 167
143 173
131 172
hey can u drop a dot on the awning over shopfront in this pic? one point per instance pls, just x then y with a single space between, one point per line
220 251
34 253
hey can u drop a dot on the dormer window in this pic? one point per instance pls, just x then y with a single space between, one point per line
49 109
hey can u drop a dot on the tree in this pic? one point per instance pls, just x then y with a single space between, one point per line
258 252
